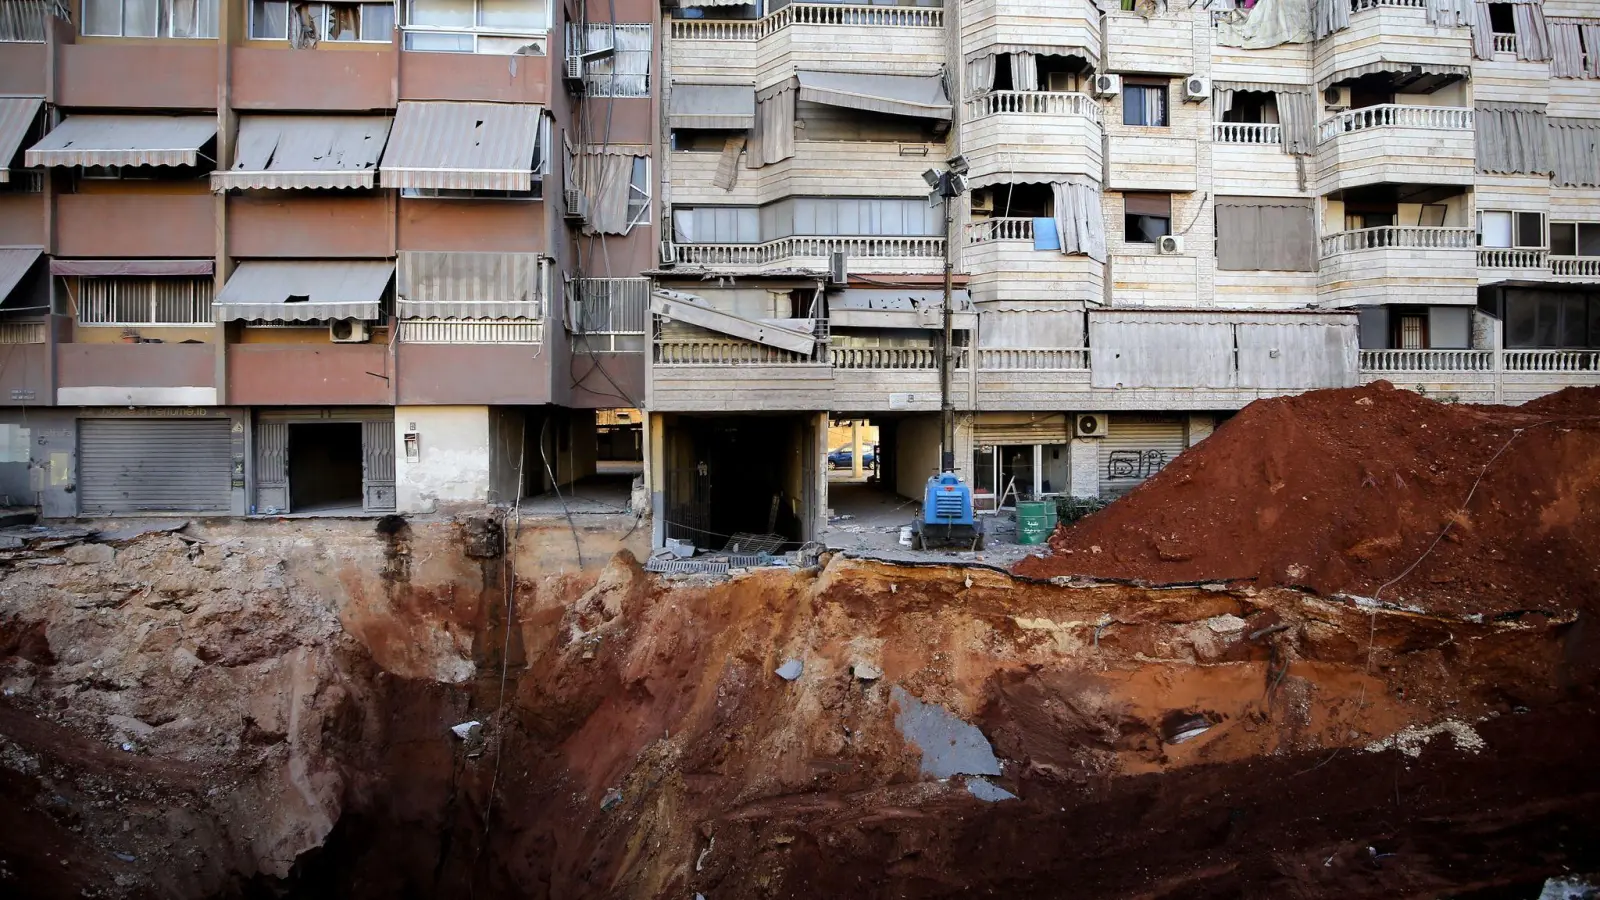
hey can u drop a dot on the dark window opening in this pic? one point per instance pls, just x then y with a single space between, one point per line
702 140
1552 320
1575 239
1146 217
1014 201
1145 103
1254 107
1501 19
324 466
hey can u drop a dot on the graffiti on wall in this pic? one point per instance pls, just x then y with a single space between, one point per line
1134 464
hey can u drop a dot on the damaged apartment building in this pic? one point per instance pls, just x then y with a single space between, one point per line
1152 212
275 257
268 257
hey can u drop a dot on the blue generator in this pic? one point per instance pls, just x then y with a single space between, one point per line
947 519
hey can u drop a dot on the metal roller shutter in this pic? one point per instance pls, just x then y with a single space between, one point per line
129 466
1020 429
1136 447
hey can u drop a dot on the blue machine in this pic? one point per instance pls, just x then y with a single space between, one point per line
947 516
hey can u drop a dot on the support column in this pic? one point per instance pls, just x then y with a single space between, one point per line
1083 462
855 449
655 475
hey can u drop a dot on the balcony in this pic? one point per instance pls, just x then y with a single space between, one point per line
282 79
1373 266
868 255
469 362
1019 136
24 379
1248 158
1396 35
818 168
875 379
1072 25
293 374
1396 144
1003 265
893 39
1577 268
609 315
143 374
706 373
1482 376
1512 264
1032 378
138 74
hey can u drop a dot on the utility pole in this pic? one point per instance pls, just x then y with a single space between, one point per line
948 185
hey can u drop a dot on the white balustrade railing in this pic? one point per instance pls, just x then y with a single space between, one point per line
1364 5
1394 115
1581 266
895 358
1035 103
807 14
1400 237
1033 359
1000 229
712 352
1552 360
1511 258
1247 133
1505 43
1426 360
931 248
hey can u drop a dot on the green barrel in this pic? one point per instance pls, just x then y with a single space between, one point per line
1035 520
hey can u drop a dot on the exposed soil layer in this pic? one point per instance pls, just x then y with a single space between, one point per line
1182 743
1343 491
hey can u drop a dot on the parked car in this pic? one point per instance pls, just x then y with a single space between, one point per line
841 458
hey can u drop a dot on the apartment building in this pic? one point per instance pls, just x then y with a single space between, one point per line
268 257
1164 211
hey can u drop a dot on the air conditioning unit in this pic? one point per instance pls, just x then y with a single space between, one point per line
572 73
838 272
1336 98
1170 244
983 202
669 254
1060 82
1107 85
348 331
1196 89
574 204
1089 425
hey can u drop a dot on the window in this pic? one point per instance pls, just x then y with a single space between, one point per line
150 18
639 193
1265 234
1552 320
269 20
144 301
1146 217
625 72
1145 104
1411 331
1575 238
1510 229
501 27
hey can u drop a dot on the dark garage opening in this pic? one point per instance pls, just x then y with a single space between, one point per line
324 466
730 475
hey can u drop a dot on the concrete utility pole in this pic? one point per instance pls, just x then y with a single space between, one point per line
948 185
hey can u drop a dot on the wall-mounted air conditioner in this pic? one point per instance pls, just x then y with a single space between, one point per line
1107 85
1196 89
572 72
348 331
1336 98
574 204
1089 425
1169 244
838 271
669 254
983 202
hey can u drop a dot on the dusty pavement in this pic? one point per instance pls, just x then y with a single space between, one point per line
261 710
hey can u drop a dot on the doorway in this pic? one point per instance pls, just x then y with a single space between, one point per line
325 466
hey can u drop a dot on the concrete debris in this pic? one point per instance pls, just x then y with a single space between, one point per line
949 746
865 671
791 669
988 792
611 799
131 726
132 532
1412 739
89 554
1571 887
679 549
1229 624
464 730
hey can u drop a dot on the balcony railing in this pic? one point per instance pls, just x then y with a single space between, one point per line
1399 237
1426 360
1000 229
21 332
470 331
1552 360
808 247
1576 266
1394 115
1364 5
1034 103
807 14
1505 258
1265 133
1505 43
1033 359
23 21
717 352
924 359
610 305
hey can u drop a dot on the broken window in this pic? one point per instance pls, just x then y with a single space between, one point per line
625 71
142 301
1510 229
1145 103
270 21
150 18
1575 238
1146 217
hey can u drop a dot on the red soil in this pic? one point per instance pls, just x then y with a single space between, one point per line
1343 491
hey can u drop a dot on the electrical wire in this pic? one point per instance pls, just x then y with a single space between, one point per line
576 543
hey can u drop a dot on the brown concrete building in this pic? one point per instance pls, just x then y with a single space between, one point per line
267 256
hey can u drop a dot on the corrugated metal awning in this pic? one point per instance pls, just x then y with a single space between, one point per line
306 152
14 265
112 268
900 95
304 290
695 4
17 115
462 146
1395 67
440 285
124 141
712 106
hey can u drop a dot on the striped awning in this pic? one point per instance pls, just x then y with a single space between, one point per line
289 152
441 285
124 141
304 290
712 106
694 4
1395 67
17 115
901 95
14 265
462 146
136 268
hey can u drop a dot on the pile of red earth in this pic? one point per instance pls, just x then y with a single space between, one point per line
1349 491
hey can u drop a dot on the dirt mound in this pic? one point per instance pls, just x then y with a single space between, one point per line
1345 490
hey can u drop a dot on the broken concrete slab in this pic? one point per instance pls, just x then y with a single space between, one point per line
90 554
128 533
949 745
866 671
987 791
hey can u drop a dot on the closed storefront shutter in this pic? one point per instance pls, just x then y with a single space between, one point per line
132 466
1136 447
995 430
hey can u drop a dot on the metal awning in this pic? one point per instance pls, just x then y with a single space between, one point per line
695 4
900 95
17 115
462 146
124 141
289 152
693 310
1408 74
865 308
117 268
712 106
444 285
15 262
304 291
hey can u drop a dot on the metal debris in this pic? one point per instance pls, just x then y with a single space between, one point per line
464 730
791 669
949 746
